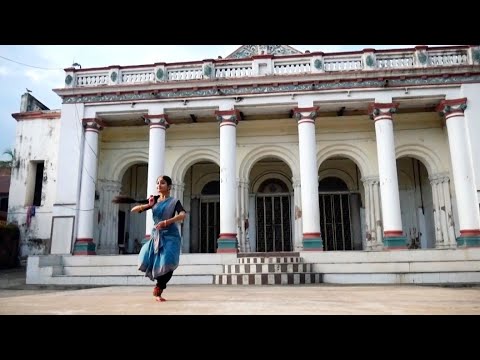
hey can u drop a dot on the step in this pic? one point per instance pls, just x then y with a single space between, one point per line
269 279
267 268
132 270
132 260
269 254
205 279
270 260
404 278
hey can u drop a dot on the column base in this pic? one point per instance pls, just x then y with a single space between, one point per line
468 241
84 246
394 243
227 243
312 242
374 246
442 246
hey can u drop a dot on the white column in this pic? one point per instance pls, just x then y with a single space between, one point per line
227 241
177 192
449 212
244 207
437 214
387 170
377 217
252 225
372 213
84 243
368 222
108 242
238 217
443 215
156 159
307 146
462 169
297 215
242 214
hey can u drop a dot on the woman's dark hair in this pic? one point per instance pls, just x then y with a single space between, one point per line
167 179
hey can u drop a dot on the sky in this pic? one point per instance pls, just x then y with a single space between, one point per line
40 68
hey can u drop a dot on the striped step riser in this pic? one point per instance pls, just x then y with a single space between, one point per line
270 260
268 279
267 268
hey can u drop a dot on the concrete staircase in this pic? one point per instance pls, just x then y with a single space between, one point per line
119 269
268 269
447 266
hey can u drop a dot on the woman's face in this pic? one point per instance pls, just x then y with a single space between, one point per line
162 186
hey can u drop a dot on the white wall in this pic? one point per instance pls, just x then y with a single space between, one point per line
35 141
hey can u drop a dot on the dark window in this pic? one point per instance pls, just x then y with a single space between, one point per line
272 186
332 184
37 195
4 204
212 188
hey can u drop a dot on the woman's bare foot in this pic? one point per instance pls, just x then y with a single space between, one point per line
160 299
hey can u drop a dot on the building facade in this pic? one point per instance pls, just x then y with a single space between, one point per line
269 149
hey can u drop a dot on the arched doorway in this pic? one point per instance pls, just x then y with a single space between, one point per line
335 214
202 202
270 206
209 217
340 205
131 227
273 208
416 203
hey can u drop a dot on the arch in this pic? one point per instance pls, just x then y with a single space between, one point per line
262 152
204 180
352 152
271 175
121 163
183 163
342 175
420 152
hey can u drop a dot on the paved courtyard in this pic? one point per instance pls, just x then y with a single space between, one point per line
266 300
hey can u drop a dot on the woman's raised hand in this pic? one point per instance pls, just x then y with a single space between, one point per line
151 200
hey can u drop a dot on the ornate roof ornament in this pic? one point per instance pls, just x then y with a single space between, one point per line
247 51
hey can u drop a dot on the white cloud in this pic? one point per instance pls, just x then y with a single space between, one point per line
4 71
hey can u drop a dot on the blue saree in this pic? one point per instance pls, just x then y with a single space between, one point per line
161 253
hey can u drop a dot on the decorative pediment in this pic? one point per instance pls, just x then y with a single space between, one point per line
246 51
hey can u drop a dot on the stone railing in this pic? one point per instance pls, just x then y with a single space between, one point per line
308 63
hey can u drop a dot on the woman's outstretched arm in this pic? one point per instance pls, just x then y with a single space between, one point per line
144 207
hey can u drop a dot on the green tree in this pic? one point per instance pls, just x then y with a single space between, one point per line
8 163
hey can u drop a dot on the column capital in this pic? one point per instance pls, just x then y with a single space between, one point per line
370 179
452 108
382 111
110 185
92 124
230 117
296 182
305 114
439 178
179 186
243 181
160 120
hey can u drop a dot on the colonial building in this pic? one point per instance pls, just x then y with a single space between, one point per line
270 150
